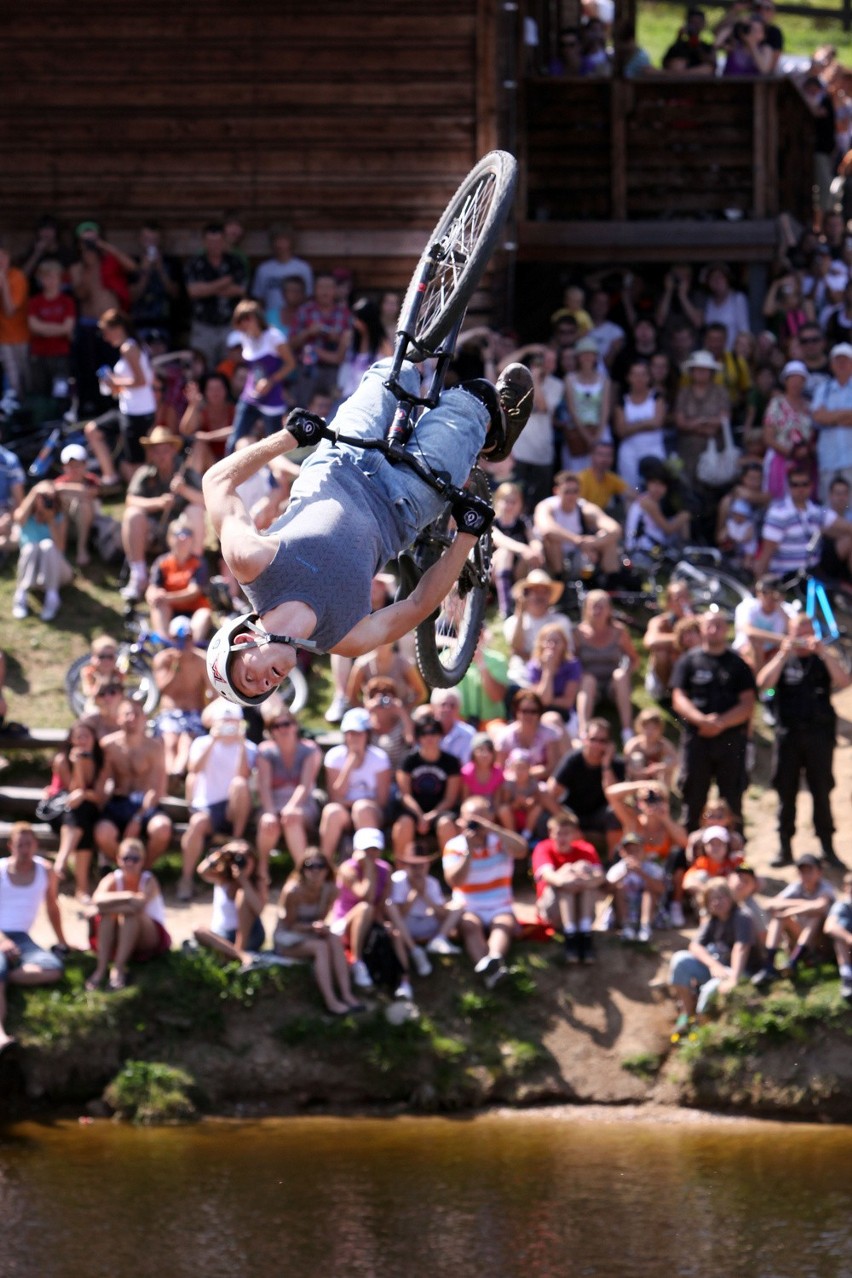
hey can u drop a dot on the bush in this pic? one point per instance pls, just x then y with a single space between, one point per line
149 1093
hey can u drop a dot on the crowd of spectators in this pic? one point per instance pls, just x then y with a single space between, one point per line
540 762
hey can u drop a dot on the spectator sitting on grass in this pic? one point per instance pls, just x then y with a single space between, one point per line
42 564
302 931
717 958
797 916
131 918
838 927
568 875
239 897
77 490
363 886
638 883
27 882
418 909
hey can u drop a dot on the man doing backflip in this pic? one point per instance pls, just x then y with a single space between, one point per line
351 510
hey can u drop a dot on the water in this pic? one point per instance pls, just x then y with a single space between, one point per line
508 1196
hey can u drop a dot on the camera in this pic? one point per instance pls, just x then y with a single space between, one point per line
239 859
385 700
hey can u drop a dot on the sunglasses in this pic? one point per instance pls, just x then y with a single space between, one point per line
131 858
283 723
800 483
528 710
315 865
598 740
108 692
106 654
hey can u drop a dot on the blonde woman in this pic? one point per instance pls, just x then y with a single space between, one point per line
606 653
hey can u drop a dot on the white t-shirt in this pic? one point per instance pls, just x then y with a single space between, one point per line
750 613
218 770
419 912
362 780
535 443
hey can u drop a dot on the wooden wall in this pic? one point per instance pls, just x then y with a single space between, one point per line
353 120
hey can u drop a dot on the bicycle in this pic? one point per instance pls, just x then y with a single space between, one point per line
431 318
811 594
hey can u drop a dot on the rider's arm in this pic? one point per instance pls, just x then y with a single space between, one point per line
246 552
398 619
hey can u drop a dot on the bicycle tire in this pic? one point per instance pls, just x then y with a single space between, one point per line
841 648
138 682
712 588
468 230
444 643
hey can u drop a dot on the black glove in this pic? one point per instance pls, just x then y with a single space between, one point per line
472 514
306 428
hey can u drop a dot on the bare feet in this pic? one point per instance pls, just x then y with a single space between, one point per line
117 980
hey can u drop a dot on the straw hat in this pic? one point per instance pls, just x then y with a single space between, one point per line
702 359
161 435
538 577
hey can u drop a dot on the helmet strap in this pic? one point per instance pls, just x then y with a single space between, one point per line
262 637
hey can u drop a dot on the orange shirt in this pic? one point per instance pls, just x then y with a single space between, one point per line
14 329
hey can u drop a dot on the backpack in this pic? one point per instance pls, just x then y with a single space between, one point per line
380 957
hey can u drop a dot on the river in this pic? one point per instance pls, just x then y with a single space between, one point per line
542 1194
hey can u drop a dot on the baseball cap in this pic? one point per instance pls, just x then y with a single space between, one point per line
363 840
716 832
180 627
72 452
809 858
356 720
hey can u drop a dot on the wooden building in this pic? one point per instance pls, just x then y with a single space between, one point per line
355 121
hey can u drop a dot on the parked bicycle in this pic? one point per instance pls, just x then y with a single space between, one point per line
809 593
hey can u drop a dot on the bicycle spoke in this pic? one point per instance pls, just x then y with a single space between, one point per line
457 246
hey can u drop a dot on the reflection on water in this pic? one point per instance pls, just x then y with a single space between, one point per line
531 1195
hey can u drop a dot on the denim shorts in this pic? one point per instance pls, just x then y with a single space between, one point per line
687 970
30 954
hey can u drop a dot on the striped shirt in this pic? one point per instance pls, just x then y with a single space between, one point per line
488 886
791 530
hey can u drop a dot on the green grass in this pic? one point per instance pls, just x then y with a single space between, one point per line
657 26
147 1092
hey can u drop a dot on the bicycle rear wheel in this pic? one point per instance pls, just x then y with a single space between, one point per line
445 642
136 675
462 243
710 587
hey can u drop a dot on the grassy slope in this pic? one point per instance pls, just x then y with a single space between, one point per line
658 23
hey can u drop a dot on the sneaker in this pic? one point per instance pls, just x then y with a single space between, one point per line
571 947
135 588
831 858
51 605
586 947
750 756
440 945
676 914
628 933
360 976
420 960
337 709
846 989
644 934
404 990
769 717
488 966
765 976
499 974
515 395
19 607
783 857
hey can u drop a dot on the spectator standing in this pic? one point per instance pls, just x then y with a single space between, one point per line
14 329
98 278
27 881
320 340
788 429
659 639
638 423
155 286
272 274
700 409
832 414
791 529
478 865
51 316
725 304
535 449
270 362
713 696
588 396
690 54
804 673
215 280
607 659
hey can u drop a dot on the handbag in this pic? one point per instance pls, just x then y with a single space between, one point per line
719 466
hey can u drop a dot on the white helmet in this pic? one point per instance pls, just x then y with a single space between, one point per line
220 655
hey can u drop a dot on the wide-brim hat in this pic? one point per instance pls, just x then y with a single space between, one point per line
538 577
161 435
702 359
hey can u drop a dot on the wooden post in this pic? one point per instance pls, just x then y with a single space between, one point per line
760 164
619 100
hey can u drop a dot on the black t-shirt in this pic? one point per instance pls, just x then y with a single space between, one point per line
712 682
803 693
583 784
429 777
695 53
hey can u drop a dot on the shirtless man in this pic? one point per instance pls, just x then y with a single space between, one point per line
136 766
576 531
180 674
308 580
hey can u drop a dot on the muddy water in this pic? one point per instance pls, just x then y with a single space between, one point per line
535 1195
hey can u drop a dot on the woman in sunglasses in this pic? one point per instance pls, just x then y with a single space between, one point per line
131 918
287 769
302 931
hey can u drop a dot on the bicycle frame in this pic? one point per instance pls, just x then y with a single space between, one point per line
818 608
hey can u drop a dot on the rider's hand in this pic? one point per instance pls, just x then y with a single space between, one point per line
472 514
306 428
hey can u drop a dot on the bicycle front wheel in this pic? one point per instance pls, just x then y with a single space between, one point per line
445 642
457 254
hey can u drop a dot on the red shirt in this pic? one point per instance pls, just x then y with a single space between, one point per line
546 853
51 310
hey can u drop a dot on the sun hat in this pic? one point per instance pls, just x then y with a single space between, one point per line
161 435
586 344
72 452
364 840
538 577
702 359
716 832
793 368
841 349
356 720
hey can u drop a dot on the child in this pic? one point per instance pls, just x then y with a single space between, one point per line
482 775
638 882
516 549
650 756
521 807
715 859
838 927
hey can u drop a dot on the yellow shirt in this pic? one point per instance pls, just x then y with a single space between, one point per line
601 491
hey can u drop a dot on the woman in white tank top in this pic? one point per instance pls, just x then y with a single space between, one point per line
131 919
132 382
638 422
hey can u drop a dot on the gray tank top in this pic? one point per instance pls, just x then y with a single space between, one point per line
332 539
